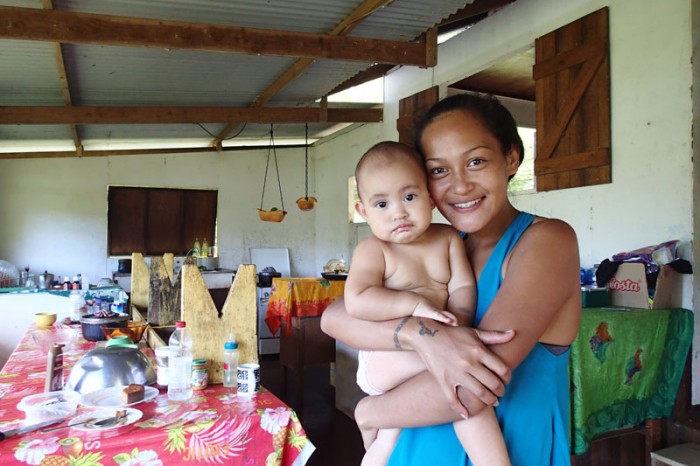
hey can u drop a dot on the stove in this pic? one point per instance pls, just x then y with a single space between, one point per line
267 342
279 259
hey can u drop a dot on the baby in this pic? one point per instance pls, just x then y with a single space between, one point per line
409 267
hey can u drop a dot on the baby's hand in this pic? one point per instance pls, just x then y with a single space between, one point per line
429 312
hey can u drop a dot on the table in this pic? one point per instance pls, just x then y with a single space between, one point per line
214 427
300 297
626 366
295 307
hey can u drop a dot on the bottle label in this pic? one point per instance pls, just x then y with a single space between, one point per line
199 378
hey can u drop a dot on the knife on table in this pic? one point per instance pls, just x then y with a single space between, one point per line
29 428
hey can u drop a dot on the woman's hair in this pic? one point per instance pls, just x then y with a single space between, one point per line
492 114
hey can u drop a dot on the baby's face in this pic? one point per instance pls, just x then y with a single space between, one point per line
395 200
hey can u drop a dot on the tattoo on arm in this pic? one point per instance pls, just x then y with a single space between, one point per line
425 330
397 343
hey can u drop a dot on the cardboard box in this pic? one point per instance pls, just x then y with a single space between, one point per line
628 288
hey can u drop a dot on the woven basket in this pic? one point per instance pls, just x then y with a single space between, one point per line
306 203
271 215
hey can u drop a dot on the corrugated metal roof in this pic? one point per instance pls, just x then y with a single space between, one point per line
131 76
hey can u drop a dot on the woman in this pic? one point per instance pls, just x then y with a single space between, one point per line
528 281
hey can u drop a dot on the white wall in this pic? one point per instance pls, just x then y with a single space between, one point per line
53 212
651 197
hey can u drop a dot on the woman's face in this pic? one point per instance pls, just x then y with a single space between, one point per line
467 172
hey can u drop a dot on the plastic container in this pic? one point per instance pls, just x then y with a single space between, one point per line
180 363
50 405
78 306
230 361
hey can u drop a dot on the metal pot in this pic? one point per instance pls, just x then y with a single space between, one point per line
91 325
45 280
124 266
265 278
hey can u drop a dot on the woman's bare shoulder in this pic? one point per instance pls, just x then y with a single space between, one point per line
544 228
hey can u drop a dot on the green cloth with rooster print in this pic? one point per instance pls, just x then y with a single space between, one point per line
626 366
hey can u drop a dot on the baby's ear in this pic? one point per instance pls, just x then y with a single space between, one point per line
360 209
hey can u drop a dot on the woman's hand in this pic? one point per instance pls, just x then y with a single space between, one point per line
457 357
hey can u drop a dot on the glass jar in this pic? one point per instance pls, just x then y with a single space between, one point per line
200 374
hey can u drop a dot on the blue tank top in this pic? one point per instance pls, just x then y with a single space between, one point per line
534 411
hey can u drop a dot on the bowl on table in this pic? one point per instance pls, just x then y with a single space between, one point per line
44 337
110 367
134 330
50 405
44 319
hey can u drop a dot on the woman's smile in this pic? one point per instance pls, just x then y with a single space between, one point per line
467 204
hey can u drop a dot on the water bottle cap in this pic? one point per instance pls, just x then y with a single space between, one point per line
180 324
230 345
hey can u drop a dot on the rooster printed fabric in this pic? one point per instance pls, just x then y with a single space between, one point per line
300 297
626 366
214 427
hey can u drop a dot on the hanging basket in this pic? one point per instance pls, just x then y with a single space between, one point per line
306 203
274 214
271 215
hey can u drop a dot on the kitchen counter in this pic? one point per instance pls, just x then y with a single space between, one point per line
214 279
17 309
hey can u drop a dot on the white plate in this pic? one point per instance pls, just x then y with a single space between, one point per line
132 415
112 397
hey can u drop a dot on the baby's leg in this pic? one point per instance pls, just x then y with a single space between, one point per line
379 452
481 437
384 370
379 371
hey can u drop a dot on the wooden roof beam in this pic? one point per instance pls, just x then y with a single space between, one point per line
84 115
63 80
87 28
364 10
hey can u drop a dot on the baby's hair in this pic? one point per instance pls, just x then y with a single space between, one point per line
389 152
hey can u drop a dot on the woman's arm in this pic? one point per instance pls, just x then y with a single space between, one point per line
454 349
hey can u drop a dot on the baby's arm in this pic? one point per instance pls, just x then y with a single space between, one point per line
481 437
461 288
366 297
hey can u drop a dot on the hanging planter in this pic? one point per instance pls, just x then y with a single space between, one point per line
274 214
307 202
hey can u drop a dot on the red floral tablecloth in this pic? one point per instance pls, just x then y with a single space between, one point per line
300 297
215 426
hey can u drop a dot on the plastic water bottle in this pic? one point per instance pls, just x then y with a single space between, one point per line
180 363
230 361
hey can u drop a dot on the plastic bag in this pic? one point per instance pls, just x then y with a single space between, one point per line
651 256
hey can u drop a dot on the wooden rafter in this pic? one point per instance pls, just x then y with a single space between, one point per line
365 9
120 152
87 28
65 87
85 115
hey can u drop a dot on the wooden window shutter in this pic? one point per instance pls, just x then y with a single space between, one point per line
572 87
411 109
